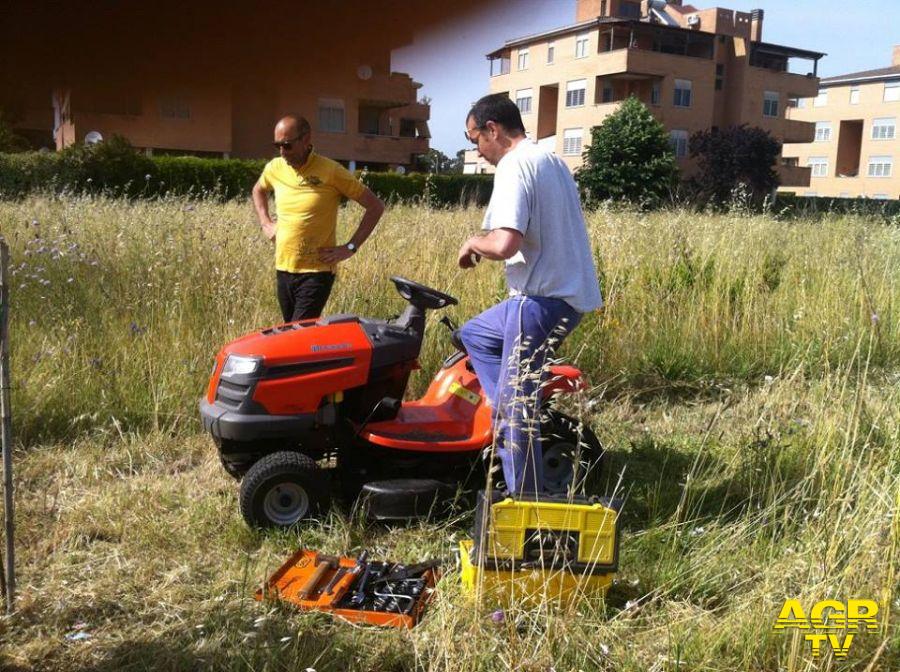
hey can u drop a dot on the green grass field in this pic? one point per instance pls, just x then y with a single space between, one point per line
745 378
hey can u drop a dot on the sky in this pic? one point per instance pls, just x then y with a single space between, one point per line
450 60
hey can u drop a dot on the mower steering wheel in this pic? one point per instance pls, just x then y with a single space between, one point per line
422 296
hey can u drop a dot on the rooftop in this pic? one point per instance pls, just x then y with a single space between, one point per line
586 25
892 72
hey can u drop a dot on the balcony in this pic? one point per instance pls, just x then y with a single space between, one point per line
793 176
387 148
794 130
637 63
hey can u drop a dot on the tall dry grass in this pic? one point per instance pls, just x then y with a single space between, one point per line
745 379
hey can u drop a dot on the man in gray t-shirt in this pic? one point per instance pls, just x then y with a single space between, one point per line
535 225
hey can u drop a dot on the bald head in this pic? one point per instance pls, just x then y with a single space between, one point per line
292 139
292 125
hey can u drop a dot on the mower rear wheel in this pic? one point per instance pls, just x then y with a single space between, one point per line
282 489
572 453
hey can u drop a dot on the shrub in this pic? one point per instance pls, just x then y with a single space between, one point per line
737 160
630 158
115 168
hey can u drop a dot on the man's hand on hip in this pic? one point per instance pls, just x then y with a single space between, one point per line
269 230
334 255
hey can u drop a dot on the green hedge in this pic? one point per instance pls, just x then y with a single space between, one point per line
813 206
114 168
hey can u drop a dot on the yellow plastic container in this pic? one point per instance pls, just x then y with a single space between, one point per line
528 586
580 536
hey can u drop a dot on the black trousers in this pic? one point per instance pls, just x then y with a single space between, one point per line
302 296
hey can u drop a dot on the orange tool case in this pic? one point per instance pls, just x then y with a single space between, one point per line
307 576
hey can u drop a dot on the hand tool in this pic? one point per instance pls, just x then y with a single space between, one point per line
338 575
402 573
323 564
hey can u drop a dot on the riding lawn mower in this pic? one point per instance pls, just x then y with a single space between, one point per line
307 410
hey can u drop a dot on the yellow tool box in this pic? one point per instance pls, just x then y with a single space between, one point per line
540 548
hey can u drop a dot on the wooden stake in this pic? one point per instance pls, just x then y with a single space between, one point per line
6 421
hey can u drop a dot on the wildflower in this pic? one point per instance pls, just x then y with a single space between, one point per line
498 616
147 176
768 380
136 329
874 318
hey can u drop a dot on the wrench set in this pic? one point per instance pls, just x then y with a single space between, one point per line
360 590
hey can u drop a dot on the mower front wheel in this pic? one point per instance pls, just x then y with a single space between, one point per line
282 489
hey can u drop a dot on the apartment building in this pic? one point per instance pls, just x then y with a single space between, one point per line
211 78
694 69
856 142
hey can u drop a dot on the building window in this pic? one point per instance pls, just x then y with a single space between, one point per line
881 166
500 65
630 10
174 108
523 100
822 99
880 197
523 59
884 129
791 161
823 131
581 45
819 165
655 93
720 76
770 104
682 93
801 103
602 7
679 141
331 115
575 92
606 91
572 142
854 95
891 93
551 52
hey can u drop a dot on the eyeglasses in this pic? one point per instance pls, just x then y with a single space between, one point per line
287 144
474 140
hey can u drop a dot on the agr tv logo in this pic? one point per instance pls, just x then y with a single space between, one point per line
835 622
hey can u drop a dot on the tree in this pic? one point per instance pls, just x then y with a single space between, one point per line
630 158
10 141
736 161
434 161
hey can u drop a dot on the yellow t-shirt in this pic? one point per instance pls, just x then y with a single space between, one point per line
306 200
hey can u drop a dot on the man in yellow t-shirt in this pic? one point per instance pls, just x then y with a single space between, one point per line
308 190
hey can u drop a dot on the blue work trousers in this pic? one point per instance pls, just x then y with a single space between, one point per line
509 346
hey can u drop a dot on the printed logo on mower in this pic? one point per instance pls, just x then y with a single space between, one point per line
331 346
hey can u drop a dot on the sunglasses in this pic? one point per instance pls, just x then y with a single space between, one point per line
287 144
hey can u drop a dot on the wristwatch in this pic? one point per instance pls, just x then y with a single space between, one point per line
351 247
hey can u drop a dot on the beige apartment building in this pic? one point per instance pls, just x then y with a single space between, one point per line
694 69
856 141
211 78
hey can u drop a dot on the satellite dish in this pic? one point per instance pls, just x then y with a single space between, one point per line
364 72
400 170
93 138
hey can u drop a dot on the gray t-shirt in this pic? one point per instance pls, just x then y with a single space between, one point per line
534 193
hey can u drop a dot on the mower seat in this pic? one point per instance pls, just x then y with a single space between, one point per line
456 340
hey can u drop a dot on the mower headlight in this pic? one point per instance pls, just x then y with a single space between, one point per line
238 365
